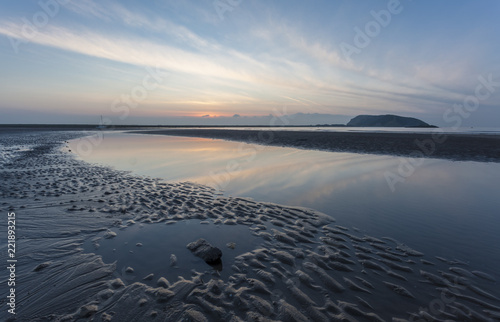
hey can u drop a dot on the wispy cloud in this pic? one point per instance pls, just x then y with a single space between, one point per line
127 50
212 60
89 9
261 58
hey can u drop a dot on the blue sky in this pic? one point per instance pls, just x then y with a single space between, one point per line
165 62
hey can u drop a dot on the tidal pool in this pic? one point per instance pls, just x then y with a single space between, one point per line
148 249
444 208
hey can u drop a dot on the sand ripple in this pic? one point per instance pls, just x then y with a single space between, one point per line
304 267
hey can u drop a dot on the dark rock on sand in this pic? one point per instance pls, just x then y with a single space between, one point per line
201 248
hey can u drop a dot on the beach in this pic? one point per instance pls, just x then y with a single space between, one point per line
250 161
281 263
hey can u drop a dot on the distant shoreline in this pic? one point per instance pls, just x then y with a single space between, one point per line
481 147
120 127
457 147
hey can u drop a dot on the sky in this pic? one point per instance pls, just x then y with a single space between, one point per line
231 61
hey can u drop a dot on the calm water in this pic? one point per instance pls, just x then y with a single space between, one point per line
445 208
147 249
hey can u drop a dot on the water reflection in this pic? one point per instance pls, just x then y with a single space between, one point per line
445 208
159 241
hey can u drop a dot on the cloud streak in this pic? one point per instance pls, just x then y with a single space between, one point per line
253 61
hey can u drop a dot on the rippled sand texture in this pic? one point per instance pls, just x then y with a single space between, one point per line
306 267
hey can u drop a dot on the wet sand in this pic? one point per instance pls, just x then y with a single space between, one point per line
302 266
458 147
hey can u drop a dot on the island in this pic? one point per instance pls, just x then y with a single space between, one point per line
387 121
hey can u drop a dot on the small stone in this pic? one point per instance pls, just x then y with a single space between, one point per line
173 260
207 252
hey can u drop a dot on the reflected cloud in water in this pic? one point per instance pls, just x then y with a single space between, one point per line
450 208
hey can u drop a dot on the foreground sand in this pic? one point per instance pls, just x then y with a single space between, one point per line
460 147
306 267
